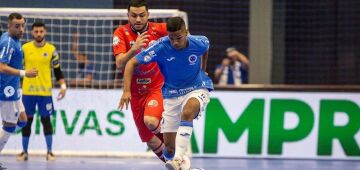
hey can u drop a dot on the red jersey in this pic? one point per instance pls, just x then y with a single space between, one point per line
146 77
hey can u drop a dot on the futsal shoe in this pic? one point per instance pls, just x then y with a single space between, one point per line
178 164
22 156
2 167
50 156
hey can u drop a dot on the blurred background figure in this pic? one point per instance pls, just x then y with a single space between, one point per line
234 68
86 68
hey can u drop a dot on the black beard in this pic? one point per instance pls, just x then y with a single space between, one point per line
39 41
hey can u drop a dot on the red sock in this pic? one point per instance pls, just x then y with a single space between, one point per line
159 153
157 133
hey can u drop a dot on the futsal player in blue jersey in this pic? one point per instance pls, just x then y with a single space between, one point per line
182 60
11 69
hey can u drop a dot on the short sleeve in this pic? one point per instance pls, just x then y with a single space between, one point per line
150 54
119 43
7 51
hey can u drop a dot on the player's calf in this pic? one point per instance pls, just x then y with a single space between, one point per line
156 145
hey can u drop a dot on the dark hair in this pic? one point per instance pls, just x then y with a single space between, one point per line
174 24
14 15
38 24
138 3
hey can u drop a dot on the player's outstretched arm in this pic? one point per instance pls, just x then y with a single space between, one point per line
129 71
4 68
123 58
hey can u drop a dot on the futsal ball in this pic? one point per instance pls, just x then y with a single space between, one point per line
185 163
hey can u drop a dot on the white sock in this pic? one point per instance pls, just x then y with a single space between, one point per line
4 137
182 141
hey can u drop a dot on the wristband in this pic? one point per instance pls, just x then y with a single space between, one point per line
63 86
22 73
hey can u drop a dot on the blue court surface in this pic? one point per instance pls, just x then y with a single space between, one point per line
110 163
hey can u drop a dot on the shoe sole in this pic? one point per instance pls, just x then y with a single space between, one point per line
169 166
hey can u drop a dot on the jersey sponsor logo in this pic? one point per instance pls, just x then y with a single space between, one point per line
192 59
9 91
147 58
186 90
116 40
143 81
170 59
153 103
152 53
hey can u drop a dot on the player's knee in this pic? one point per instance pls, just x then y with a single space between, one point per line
191 109
151 122
45 120
188 114
26 131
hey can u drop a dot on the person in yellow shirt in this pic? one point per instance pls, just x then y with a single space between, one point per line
37 91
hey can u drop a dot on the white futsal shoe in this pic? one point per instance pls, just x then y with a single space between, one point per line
178 164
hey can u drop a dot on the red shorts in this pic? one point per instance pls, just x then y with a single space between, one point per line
150 104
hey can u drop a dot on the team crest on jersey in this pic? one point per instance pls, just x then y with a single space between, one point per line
153 103
45 55
192 59
116 40
9 91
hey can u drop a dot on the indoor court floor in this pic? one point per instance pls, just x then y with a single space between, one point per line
111 163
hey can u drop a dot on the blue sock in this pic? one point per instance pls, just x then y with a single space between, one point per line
167 156
25 143
186 123
48 139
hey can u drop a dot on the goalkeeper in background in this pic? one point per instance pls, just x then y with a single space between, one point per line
146 97
37 91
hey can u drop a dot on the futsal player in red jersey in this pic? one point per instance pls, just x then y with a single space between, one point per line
146 97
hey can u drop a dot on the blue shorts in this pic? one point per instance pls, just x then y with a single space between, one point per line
44 103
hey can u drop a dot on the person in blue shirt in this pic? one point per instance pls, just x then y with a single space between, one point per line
182 60
11 69
234 68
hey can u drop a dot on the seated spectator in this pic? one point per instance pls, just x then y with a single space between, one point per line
234 68
86 68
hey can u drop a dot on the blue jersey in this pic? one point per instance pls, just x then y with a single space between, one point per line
181 68
11 55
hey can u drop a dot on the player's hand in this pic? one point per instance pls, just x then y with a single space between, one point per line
125 100
141 41
61 94
31 73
